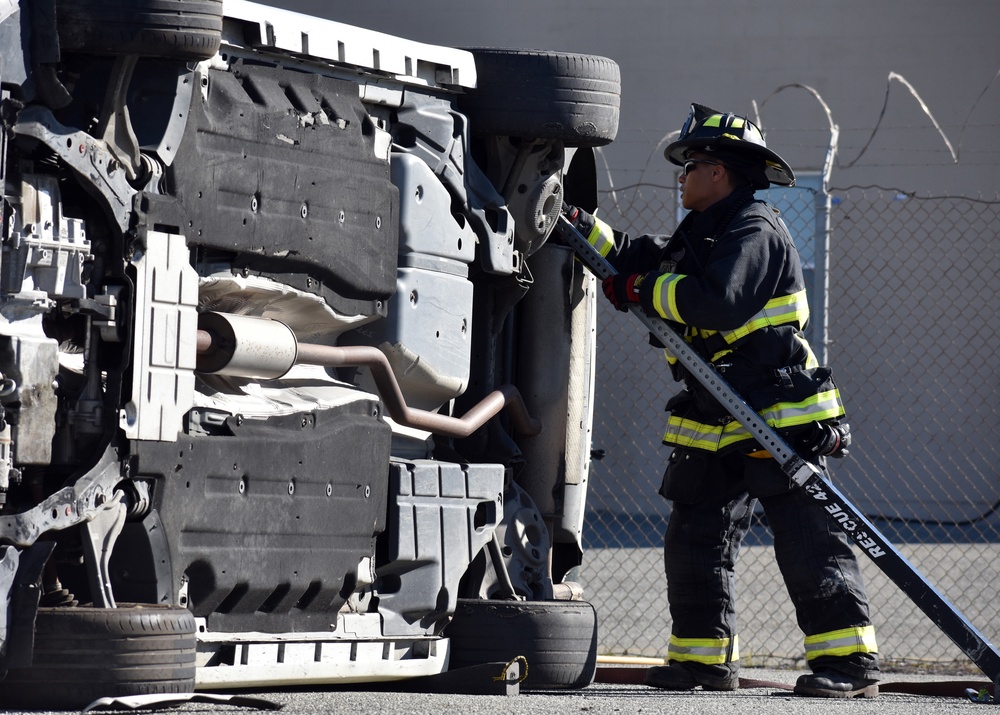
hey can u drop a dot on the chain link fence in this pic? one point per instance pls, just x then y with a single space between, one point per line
912 335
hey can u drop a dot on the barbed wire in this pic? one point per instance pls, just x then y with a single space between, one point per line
843 189
830 161
643 185
914 195
923 106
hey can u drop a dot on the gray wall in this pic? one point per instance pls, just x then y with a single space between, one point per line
731 53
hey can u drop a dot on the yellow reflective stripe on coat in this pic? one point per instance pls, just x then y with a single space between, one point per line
845 641
665 296
601 237
784 310
684 432
819 407
711 651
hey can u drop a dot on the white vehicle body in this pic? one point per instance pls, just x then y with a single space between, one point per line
288 359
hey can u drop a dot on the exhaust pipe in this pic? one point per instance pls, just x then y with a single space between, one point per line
263 349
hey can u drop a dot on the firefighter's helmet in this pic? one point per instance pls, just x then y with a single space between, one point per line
736 141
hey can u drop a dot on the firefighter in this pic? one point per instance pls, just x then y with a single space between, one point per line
730 280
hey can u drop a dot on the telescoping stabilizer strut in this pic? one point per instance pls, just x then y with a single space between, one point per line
827 497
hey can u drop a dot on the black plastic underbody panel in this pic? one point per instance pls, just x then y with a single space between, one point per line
269 524
279 167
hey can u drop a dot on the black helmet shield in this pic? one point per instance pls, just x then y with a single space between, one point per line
736 141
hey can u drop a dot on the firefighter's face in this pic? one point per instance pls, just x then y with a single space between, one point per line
703 182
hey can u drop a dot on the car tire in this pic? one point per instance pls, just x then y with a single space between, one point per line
544 95
82 654
558 639
178 29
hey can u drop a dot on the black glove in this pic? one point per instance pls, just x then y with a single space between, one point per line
622 289
571 212
829 440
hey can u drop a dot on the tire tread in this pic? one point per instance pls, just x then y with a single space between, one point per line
558 639
545 95
82 654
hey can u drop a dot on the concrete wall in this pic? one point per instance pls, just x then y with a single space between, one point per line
730 54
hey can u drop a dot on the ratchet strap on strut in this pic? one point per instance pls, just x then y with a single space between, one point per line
843 514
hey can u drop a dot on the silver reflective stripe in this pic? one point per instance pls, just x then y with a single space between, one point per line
790 309
602 237
841 642
712 651
685 432
665 296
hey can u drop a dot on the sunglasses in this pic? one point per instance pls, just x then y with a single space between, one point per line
691 164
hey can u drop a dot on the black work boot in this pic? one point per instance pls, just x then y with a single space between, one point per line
834 684
688 676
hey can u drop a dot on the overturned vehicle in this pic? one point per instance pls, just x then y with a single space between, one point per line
295 387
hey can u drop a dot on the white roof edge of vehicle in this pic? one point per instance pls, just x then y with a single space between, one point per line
409 61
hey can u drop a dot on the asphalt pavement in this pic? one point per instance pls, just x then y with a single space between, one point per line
601 699
616 698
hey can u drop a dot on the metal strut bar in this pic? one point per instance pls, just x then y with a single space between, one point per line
842 513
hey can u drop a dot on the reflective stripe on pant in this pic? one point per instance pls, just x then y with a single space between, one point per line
845 641
817 564
710 651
